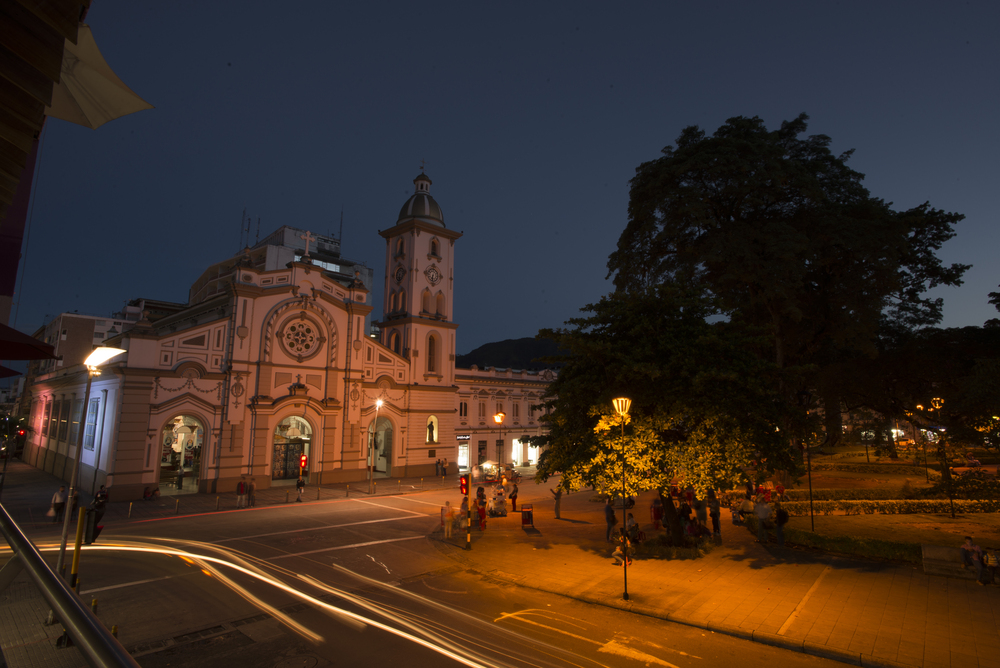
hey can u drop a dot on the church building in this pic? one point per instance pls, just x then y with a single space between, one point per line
272 358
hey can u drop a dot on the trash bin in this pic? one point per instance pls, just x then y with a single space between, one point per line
527 517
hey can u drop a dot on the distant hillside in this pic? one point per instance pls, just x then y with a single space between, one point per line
511 354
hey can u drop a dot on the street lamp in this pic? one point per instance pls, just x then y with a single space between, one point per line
622 405
499 418
94 360
371 455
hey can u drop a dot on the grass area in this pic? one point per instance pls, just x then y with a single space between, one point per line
936 529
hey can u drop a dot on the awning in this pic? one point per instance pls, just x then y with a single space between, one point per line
17 346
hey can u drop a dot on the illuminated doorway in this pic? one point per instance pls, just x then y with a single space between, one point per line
380 455
181 441
292 438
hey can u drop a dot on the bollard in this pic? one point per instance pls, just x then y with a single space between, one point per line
348 494
93 605
114 630
286 496
218 500
130 510
399 485
177 506
318 489
77 588
375 488
421 483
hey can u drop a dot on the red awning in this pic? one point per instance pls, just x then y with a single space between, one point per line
17 346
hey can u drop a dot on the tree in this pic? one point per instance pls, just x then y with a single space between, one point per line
783 236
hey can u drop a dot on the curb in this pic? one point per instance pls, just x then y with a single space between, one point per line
842 655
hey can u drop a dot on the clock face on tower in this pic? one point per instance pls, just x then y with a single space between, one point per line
433 275
400 274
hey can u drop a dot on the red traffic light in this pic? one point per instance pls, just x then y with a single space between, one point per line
303 460
463 485
21 432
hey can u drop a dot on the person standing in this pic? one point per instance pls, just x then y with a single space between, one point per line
972 555
241 492
59 503
252 493
437 468
300 486
714 511
609 518
513 497
557 495
780 520
444 466
447 518
701 512
763 511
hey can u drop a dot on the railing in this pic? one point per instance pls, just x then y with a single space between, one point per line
95 642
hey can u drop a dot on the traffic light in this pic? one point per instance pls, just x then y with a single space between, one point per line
303 460
91 529
463 485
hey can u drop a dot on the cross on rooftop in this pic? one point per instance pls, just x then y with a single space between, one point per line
308 237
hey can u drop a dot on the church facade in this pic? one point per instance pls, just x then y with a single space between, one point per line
272 360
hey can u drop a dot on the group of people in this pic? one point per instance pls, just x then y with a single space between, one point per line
57 508
493 506
441 467
246 492
985 561
759 506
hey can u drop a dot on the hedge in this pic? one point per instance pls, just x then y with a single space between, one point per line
883 507
871 468
860 547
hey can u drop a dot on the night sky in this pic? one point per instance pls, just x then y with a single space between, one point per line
532 118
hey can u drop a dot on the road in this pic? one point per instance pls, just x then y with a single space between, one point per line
319 584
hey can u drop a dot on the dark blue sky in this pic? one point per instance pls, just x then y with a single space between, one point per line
531 116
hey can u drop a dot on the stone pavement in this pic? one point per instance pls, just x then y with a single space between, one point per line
859 612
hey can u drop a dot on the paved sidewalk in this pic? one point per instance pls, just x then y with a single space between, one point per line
860 612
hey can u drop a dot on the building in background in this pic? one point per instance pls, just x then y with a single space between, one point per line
271 359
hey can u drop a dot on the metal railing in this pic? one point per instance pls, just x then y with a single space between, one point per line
95 642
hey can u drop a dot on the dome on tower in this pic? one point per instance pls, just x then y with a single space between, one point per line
421 206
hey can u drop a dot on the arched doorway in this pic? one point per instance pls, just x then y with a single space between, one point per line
181 442
292 438
380 457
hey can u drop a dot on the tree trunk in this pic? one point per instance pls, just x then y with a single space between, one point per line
832 420
890 439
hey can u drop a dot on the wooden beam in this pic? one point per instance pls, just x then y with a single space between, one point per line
31 39
63 16
25 77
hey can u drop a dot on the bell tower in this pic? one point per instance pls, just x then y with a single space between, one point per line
418 317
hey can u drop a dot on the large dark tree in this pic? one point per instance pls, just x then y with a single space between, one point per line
781 234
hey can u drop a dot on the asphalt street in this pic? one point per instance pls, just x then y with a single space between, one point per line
359 580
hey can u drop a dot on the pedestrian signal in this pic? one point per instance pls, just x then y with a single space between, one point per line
91 528
463 485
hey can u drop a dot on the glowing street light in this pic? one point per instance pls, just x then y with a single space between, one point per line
622 404
94 360
499 418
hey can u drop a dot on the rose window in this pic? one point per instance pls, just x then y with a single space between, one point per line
300 338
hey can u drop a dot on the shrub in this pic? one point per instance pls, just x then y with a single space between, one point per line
870 468
888 507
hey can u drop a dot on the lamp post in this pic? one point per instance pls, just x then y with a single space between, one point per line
371 454
622 405
94 360
499 418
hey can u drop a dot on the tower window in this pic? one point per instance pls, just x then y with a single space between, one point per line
463 409
432 354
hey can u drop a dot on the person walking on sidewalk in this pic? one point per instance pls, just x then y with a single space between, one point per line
252 493
300 486
513 497
59 503
241 492
557 495
763 511
610 518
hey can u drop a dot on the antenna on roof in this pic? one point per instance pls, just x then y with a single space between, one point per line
257 240
242 220
341 236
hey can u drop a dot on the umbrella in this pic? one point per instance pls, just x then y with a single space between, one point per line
88 92
7 373
17 346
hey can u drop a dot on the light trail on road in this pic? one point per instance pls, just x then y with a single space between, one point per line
508 649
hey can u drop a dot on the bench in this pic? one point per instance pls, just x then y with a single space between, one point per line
947 561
